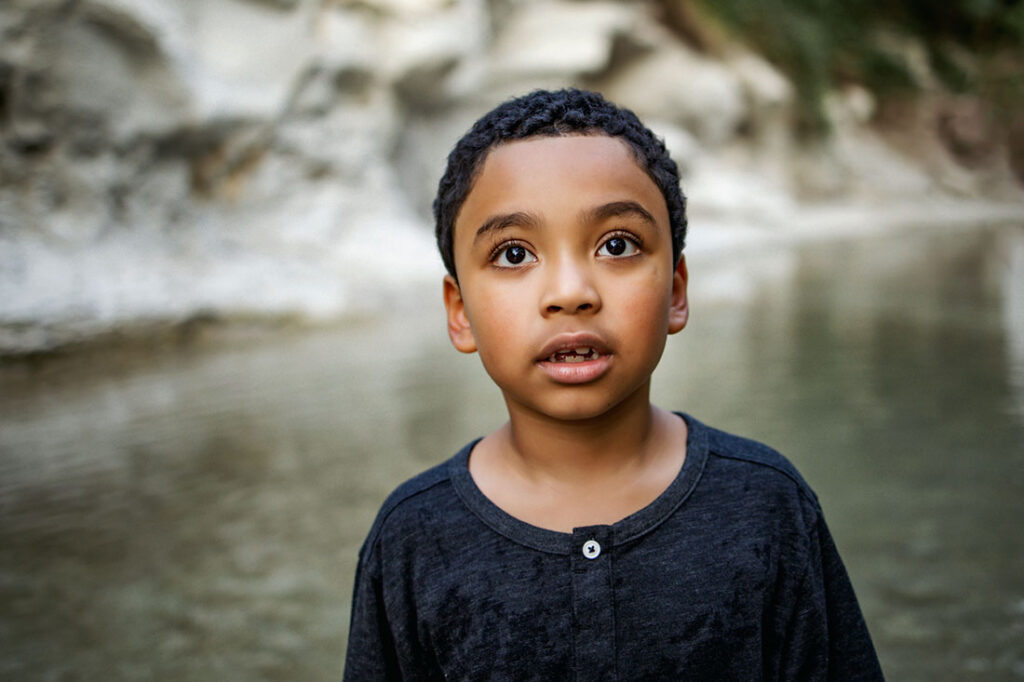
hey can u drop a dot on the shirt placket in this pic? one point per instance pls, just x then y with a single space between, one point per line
593 603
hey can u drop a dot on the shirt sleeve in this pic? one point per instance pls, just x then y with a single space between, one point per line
826 637
371 651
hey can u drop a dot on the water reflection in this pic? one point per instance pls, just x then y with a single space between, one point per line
1011 279
194 514
883 373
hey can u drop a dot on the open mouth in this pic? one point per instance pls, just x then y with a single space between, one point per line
575 358
580 354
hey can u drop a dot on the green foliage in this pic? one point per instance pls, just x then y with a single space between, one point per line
820 44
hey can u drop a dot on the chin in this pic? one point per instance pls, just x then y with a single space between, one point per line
570 410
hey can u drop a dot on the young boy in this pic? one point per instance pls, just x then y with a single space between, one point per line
594 536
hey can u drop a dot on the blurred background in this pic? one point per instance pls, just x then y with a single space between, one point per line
221 334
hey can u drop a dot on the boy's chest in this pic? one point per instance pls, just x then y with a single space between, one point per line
659 604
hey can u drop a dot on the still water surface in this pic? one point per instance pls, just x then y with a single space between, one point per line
194 513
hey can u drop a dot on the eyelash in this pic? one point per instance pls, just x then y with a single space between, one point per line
633 239
505 246
502 247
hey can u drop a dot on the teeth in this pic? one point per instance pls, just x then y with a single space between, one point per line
581 354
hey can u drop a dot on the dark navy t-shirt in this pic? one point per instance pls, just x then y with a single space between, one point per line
730 574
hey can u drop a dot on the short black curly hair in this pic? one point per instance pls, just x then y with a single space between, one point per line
546 113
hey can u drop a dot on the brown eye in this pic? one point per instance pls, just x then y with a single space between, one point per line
514 255
618 246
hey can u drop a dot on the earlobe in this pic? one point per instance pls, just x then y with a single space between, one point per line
679 307
459 330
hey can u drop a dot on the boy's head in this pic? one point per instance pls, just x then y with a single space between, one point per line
545 113
563 217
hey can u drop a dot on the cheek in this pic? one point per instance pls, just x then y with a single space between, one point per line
498 320
647 304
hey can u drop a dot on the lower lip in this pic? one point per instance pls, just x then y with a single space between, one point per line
576 372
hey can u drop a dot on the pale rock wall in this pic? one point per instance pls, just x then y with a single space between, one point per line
164 160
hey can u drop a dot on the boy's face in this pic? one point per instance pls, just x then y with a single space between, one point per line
566 282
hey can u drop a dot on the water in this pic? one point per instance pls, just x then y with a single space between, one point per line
194 512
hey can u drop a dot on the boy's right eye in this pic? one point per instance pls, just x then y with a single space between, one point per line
513 255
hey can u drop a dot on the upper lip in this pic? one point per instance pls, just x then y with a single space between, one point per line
570 340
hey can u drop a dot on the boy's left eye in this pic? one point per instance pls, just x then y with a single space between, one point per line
618 246
512 256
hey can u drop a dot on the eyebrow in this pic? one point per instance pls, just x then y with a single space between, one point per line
597 214
616 209
504 221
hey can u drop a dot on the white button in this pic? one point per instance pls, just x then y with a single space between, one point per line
591 549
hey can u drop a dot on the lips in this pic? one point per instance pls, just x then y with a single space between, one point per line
575 358
569 344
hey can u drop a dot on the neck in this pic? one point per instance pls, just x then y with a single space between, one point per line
585 449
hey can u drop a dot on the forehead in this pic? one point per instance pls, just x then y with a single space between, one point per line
541 174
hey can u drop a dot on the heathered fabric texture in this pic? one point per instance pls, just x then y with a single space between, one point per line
730 574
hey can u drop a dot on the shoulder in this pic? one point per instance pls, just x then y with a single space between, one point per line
426 493
754 486
753 458
755 495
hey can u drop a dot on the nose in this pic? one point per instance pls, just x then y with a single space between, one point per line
569 288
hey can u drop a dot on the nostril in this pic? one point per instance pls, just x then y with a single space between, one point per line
584 306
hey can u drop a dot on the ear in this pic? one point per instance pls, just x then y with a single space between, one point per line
459 330
679 307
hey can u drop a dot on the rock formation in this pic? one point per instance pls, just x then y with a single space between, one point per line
267 159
